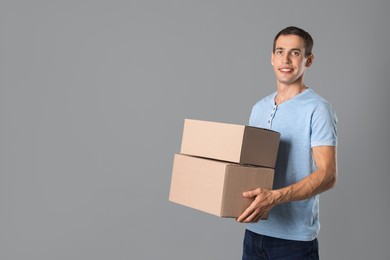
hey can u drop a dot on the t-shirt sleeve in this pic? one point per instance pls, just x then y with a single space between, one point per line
324 126
253 116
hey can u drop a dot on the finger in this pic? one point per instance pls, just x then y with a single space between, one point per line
253 218
251 193
245 214
257 219
251 214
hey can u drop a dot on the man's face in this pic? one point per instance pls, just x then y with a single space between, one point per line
289 59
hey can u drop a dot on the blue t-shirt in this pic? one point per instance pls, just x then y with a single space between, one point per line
304 121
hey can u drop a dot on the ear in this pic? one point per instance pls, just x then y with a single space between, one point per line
272 59
309 60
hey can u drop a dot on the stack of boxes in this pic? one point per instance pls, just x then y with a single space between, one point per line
218 162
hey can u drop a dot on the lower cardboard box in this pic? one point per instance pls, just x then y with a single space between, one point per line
216 187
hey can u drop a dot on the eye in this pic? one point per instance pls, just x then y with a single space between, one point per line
279 52
295 53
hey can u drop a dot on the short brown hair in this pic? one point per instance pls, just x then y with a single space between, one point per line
292 30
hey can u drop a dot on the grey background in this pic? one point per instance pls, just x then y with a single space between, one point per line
93 95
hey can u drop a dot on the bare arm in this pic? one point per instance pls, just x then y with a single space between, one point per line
324 178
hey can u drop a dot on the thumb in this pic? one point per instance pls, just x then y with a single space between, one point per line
251 193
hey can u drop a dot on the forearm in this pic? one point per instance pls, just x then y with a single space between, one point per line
316 183
319 181
324 178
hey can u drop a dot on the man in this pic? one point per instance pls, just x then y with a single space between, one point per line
306 163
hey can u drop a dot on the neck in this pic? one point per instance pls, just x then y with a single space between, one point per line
286 92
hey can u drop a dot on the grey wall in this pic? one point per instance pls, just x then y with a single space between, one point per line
93 95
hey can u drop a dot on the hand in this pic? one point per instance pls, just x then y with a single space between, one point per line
264 201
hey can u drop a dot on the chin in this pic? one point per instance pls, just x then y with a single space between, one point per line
287 81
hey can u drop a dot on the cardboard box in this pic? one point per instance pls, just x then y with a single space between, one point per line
215 187
229 142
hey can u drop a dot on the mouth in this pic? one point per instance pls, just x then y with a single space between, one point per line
286 70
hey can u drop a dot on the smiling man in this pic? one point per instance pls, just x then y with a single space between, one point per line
306 164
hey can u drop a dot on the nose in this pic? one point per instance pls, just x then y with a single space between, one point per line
286 58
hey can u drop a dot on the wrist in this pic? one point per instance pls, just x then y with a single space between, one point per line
280 196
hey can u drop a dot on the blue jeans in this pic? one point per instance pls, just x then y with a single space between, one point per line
259 247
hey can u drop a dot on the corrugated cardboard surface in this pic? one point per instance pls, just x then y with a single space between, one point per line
241 178
214 186
212 140
260 147
197 183
230 142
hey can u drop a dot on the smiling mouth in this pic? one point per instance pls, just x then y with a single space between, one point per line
286 69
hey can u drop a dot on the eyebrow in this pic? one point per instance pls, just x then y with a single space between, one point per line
294 49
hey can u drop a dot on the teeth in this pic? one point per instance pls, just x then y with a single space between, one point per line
285 70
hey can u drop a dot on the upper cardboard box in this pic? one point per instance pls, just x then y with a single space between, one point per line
230 142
